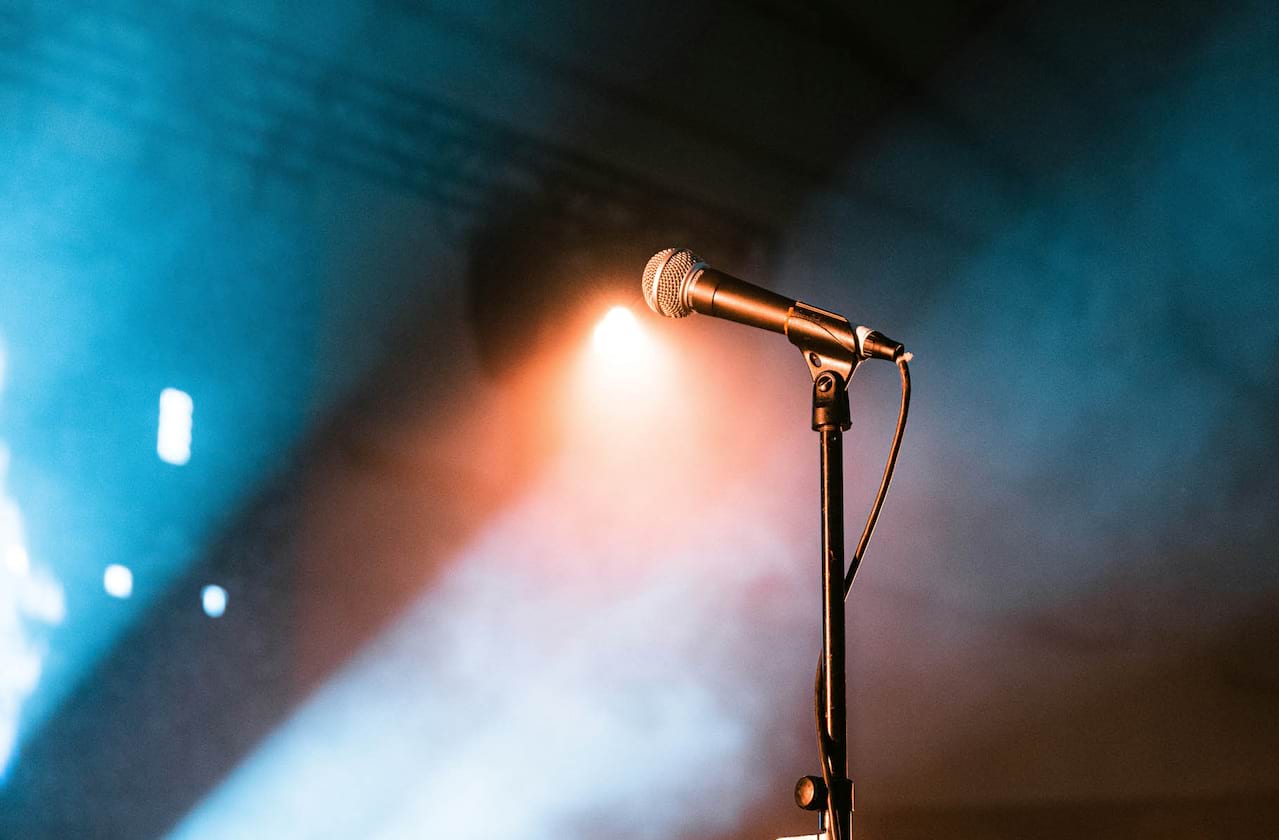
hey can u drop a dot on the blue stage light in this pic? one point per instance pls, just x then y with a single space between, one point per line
213 599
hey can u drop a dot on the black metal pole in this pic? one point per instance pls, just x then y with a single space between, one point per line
835 701
830 419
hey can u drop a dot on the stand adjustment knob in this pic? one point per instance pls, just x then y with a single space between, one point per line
810 793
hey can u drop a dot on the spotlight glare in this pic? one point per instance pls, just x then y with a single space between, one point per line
173 439
618 333
213 599
18 561
117 580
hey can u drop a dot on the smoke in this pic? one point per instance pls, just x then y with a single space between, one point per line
590 665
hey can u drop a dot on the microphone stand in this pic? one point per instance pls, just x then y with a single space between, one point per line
827 343
832 358
831 418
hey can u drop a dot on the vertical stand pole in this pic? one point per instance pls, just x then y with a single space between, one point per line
830 419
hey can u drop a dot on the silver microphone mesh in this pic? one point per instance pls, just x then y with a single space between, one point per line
664 280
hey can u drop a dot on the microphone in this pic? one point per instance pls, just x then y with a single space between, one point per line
676 283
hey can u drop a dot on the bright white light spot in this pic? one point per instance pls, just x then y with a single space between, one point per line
213 598
117 580
173 440
29 596
619 334
17 560
624 386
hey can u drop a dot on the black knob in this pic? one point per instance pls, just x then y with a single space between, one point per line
810 793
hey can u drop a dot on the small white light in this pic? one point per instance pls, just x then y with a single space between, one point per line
213 599
618 333
18 561
117 580
173 440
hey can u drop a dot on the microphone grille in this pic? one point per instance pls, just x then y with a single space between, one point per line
664 279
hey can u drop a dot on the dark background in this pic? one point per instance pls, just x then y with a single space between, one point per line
483 583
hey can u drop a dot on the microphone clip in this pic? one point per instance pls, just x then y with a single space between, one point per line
830 349
827 341
830 403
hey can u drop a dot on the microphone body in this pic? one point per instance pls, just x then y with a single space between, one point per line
676 283
721 295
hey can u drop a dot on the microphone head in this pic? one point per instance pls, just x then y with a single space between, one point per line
665 279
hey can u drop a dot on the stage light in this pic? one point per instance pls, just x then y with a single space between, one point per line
618 334
18 561
213 599
29 596
173 439
117 580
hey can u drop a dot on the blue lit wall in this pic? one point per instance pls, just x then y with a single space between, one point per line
154 239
